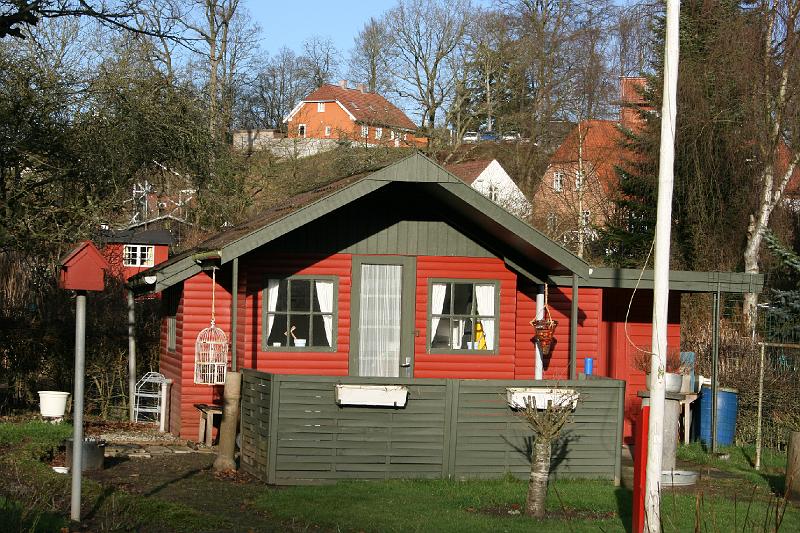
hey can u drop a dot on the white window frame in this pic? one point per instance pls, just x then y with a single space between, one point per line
493 192
558 181
365 132
132 255
391 135
378 133
302 131
320 107
586 218
327 131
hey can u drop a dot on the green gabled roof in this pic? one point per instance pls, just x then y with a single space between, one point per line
530 252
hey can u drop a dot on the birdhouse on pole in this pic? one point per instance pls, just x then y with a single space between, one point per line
83 269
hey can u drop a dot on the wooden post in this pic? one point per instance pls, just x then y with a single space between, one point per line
793 468
234 310
573 331
230 422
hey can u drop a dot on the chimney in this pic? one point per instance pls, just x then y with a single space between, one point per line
343 84
362 87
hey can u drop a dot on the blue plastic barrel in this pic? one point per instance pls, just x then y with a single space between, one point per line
727 406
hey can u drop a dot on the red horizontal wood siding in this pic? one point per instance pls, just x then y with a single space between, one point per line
433 365
625 343
258 269
556 365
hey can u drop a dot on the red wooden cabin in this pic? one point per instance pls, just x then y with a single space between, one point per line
405 271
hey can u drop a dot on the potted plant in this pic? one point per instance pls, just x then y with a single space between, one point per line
674 372
544 329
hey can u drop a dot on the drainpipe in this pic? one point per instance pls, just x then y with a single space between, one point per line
573 330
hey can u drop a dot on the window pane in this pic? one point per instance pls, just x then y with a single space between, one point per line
462 299
301 295
301 326
462 333
280 305
441 335
277 335
484 334
319 337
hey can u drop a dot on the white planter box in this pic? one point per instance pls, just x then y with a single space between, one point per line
377 395
516 397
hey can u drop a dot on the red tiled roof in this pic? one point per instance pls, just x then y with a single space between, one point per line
598 140
630 90
468 171
367 107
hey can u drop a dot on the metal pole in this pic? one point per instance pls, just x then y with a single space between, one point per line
77 403
760 400
538 369
131 356
715 368
573 331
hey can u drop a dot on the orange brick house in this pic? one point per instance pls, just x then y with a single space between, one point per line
338 112
581 180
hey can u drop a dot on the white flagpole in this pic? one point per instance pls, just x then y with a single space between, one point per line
652 502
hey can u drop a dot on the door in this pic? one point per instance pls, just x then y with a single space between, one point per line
382 329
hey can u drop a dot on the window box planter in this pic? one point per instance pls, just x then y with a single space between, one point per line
516 397
372 395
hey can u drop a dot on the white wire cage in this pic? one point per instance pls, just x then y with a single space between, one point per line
211 356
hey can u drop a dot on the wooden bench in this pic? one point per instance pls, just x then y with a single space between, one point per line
207 414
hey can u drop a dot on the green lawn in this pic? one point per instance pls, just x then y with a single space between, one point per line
456 506
741 460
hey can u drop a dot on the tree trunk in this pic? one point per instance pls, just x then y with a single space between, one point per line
537 484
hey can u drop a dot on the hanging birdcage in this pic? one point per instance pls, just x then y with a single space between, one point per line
211 348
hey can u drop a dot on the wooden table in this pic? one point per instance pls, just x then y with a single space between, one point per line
207 414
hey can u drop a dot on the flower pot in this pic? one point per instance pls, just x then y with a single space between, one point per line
300 342
92 455
672 382
52 404
544 334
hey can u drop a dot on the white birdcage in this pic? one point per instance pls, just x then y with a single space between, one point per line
211 348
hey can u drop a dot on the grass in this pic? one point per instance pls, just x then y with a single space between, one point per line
33 495
741 461
456 506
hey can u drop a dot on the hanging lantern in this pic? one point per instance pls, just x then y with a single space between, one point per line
544 329
211 348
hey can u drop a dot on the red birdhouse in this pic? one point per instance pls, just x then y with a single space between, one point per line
83 269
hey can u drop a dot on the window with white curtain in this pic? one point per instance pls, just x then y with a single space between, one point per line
463 316
299 313
138 255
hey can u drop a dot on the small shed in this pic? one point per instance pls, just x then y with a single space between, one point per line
83 269
135 249
405 273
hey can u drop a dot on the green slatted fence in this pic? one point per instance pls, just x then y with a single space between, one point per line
294 432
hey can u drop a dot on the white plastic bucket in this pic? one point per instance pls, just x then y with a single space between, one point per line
52 404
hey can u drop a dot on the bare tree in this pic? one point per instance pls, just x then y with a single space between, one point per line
320 60
369 58
779 124
425 33
547 422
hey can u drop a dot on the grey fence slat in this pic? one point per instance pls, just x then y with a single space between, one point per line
293 432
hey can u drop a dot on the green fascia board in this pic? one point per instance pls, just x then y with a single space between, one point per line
679 280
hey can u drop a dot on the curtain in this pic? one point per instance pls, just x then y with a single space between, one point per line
325 301
272 302
484 297
458 332
438 292
379 321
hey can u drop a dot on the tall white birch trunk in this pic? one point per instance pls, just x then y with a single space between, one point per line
652 501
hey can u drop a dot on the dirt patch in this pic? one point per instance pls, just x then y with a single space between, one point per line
187 479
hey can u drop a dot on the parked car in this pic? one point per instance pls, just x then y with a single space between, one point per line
470 137
488 136
510 136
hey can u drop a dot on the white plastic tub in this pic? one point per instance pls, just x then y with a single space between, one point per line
52 404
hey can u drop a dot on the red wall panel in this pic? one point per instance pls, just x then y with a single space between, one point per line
432 365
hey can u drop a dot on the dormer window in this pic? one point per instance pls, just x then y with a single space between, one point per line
320 107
